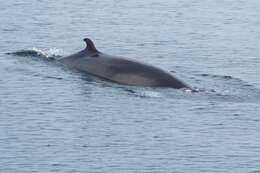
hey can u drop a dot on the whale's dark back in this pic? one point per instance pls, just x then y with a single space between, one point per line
120 70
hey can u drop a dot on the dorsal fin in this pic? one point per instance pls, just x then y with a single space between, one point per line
90 45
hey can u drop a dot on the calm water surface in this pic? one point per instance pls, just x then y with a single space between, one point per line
54 119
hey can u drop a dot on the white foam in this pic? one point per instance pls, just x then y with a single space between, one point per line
150 94
52 52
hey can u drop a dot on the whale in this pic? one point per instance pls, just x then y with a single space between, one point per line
120 69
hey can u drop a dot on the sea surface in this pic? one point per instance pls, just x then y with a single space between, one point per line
55 119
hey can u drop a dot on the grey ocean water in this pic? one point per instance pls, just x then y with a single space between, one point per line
54 119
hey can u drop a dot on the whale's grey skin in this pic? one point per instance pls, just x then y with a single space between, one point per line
120 69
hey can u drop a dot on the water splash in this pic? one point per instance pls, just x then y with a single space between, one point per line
143 92
51 54
147 93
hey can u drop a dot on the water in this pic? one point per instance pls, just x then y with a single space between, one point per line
55 119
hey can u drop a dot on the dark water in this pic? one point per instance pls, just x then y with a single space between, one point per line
53 119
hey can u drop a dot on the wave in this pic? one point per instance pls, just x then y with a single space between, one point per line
229 88
50 54
227 78
216 76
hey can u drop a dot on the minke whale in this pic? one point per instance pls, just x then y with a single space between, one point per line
119 69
